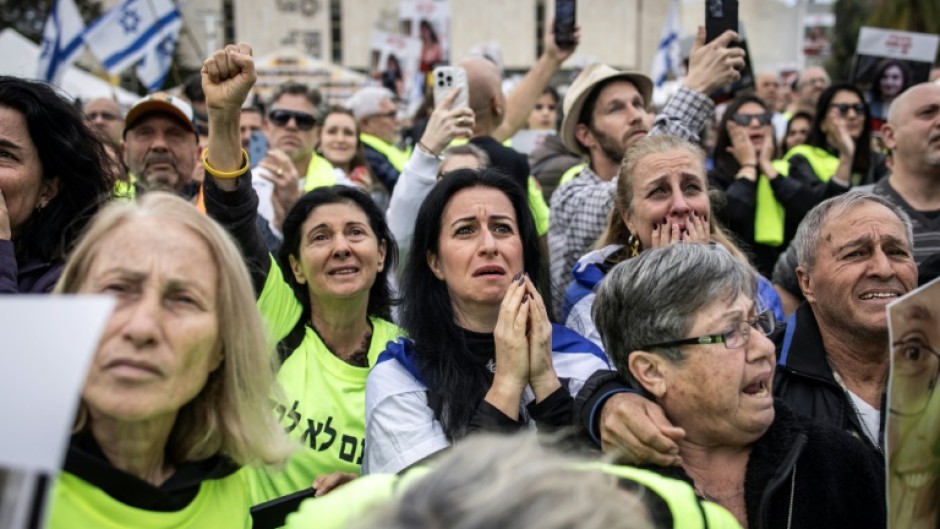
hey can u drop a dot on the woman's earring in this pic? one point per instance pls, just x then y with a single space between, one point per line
633 242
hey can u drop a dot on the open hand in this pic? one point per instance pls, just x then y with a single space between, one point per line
637 431
741 147
694 228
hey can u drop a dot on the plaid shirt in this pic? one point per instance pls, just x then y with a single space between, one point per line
580 207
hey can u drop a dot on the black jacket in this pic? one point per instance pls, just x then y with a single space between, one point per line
804 474
803 380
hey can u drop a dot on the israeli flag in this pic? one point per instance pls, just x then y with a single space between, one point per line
61 41
126 33
153 69
667 57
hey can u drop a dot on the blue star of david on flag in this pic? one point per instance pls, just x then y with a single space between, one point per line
129 21
134 29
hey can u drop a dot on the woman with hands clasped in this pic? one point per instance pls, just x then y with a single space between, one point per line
482 352
661 199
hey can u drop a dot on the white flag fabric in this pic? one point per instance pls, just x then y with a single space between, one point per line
123 35
152 70
667 57
61 41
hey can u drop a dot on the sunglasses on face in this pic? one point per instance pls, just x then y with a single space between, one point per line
744 120
280 118
844 108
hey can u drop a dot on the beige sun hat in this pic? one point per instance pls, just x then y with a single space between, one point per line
582 87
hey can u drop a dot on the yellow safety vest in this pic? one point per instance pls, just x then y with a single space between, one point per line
572 172
397 157
319 174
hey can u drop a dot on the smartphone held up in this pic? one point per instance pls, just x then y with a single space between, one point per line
565 21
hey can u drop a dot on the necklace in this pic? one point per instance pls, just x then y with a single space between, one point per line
357 358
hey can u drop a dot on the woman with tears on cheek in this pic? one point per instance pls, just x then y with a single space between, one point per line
661 199
482 353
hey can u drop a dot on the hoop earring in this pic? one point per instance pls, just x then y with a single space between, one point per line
633 242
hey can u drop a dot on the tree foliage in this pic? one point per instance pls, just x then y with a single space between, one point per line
29 16
850 15
921 16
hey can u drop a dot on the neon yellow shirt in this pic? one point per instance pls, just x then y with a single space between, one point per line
325 397
221 502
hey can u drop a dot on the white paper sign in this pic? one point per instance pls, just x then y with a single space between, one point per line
47 344
921 47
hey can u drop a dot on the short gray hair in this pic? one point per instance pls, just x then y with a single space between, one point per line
512 483
368 101
655 297
806 241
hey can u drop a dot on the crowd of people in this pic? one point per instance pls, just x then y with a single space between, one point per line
698 319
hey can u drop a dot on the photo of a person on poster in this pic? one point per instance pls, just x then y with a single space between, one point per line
432 52
914 404
891 78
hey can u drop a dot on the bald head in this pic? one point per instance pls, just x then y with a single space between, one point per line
486 98
104 115
811 84
912 132
767 86
902 105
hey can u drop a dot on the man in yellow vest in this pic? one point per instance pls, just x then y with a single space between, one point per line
376 112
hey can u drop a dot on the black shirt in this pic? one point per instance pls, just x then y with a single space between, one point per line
511 162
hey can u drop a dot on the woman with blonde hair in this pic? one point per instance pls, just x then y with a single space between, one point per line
662 198
176 399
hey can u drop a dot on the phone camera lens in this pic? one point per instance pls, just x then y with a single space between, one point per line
450 79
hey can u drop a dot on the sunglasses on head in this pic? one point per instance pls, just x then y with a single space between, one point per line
280 118
843 108
744 120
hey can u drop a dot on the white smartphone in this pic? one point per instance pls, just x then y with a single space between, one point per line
446 78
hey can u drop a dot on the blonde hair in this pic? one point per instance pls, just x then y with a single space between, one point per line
617 231
231 415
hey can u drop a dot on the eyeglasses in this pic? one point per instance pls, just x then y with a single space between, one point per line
105 116
844 108
736 337
763 119
915 374
815 80
389 114
280 118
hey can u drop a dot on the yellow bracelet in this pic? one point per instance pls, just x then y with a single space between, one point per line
225 175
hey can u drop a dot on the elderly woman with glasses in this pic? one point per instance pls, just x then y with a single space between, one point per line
682 324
